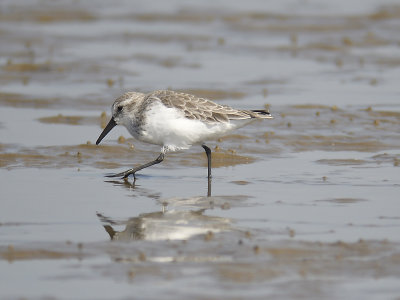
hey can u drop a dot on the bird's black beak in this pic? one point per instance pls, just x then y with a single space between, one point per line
106 130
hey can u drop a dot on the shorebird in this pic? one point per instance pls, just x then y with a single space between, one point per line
175 121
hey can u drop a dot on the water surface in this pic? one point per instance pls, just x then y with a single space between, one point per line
302 206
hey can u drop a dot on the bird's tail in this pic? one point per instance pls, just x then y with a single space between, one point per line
262 114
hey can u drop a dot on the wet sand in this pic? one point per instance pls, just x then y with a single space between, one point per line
303 206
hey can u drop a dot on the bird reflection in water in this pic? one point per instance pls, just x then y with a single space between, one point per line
178 219
166 225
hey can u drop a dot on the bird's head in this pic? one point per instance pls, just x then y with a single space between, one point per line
122 112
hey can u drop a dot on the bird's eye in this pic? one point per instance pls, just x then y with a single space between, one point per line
119 108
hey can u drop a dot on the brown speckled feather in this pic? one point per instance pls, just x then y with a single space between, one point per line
203 109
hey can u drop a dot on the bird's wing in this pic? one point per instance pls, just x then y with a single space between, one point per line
200 108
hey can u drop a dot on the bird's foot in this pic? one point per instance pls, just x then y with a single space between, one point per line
123 175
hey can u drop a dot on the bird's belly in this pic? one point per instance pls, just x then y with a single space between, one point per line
181 133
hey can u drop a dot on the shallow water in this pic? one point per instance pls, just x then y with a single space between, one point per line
302 206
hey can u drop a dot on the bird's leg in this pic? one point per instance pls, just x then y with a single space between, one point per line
208 152
209 187
125 174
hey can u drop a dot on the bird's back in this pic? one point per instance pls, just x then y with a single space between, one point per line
202 109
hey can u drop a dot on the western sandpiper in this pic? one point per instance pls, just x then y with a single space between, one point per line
175 121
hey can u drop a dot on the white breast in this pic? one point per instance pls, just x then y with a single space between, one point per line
169 127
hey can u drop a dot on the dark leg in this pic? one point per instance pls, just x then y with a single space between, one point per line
209 187
208 152
125 174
